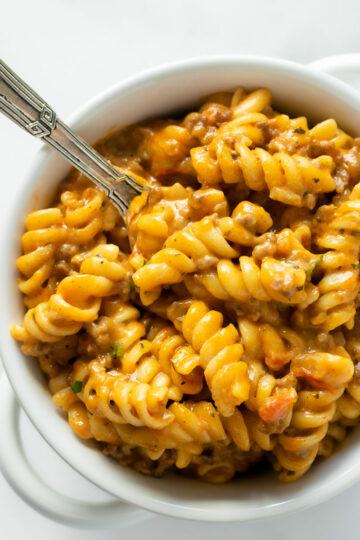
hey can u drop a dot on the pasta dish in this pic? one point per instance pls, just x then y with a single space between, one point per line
218 329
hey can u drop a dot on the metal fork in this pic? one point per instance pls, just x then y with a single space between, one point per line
20 103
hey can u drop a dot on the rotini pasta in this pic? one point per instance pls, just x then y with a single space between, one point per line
201 245
219 329
295 180
219 352
282 277
45 232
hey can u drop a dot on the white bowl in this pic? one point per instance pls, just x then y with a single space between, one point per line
296 89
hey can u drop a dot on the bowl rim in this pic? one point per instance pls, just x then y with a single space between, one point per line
36 414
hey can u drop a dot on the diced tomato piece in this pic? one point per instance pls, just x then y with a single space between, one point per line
277 406
316 383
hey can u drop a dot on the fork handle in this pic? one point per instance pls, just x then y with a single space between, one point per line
26 108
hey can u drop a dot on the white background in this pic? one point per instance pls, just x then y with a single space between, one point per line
69 50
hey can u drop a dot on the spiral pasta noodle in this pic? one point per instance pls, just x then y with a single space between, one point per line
339 284
77 299
327 374
283 279
200 245
45 232
171 210
219 352
83 214
194 426
294 180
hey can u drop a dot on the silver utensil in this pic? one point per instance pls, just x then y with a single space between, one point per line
27 109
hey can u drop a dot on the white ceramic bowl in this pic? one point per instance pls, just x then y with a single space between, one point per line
296 89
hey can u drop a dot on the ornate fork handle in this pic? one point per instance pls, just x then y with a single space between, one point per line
27 109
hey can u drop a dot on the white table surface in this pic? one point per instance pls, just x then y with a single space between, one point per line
69 50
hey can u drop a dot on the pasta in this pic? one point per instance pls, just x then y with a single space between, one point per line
200 245
219 352
282 277
219 329
290 179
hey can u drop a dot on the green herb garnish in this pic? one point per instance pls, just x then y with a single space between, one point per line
354 266
76 387
299 130
132 284
144 262
116 351
310 270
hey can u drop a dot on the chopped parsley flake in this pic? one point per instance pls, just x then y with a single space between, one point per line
354 266
132 285
116 351
76 387
144 262
310 270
